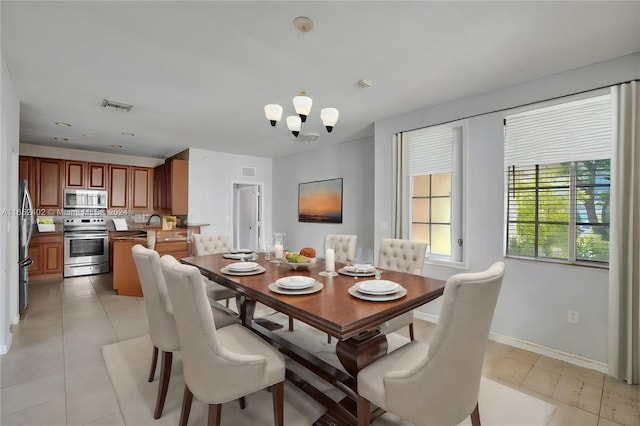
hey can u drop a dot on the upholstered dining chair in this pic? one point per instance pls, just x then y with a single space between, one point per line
344 246
438 383
219 365
403 256
162 329
212 244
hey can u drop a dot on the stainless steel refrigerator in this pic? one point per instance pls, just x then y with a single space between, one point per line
26 220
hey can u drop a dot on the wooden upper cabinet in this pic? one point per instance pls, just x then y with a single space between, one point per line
141 188
27 170
75 174
96 176
171 190
118 186
49 179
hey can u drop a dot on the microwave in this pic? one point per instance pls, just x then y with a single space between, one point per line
84 199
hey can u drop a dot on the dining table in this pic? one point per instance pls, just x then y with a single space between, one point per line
332 307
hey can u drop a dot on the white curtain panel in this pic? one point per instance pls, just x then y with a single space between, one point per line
624 264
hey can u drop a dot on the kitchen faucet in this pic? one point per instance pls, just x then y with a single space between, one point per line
150 217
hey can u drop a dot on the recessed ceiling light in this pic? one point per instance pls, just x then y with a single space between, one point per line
364 83
115 146
128 134
59 139
60 123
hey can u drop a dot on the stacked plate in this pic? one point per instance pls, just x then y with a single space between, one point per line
377 290
243 268
358 270
239 254
296 284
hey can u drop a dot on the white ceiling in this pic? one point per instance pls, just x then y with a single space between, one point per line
199 73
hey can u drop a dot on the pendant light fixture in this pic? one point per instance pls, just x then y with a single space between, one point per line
302 103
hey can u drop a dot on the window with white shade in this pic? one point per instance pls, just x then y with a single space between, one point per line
558 177
434 173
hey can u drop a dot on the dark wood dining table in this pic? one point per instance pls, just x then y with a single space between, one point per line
352 321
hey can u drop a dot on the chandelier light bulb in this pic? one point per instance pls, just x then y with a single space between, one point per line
273 113
294 123
329 117
302 104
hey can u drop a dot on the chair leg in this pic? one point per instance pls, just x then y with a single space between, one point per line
290 324
243 403
411 336
186 406
328 338
154 360
214 414
278 404
163 384
475 416
364 411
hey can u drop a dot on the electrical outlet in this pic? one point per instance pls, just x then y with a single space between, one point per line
573 317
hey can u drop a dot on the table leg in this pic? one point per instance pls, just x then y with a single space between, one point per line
359 351
246 309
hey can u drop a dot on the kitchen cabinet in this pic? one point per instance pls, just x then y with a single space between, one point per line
27 170
47 252
85 175
141 189
171 191
96 176
49 175
118 186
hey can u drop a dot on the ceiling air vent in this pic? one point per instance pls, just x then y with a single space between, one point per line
118 106
248 172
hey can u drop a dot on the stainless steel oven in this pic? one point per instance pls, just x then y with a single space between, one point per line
86 246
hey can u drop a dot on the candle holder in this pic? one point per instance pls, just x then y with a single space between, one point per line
278 247
329 260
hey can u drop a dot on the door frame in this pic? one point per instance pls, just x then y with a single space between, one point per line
235 184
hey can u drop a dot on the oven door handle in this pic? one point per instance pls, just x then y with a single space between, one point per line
85 236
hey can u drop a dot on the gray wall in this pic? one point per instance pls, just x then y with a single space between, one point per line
535 296
352 161
9 133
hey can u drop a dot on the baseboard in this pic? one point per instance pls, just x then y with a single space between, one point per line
15 320
532 347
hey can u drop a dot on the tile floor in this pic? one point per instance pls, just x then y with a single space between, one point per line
54 373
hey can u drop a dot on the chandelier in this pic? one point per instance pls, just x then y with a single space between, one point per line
302 104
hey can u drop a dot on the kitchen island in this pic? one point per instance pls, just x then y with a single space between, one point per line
175 242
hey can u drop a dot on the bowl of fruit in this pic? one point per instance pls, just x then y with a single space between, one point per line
301 260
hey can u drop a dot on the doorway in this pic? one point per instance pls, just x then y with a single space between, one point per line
247 215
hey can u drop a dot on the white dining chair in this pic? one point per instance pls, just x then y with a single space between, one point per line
438 383
402 256
219 365
344 246
162 329
212 244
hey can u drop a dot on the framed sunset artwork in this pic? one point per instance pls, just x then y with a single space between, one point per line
320 201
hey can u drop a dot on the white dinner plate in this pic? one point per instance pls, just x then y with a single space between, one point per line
317 286
295 282
345 271
240 251
257 271
360 268
240 256
377 287
377 297
242 266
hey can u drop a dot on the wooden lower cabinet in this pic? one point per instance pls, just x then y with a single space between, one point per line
47 252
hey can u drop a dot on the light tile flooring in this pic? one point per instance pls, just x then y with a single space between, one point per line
54 373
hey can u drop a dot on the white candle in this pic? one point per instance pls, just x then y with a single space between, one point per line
329 260
279 251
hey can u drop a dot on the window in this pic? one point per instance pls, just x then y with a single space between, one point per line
558 173
434 175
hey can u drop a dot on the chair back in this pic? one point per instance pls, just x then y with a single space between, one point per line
204 359
162 328
447 381
210 243
402 255
344 246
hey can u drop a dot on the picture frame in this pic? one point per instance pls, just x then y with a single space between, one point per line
320 201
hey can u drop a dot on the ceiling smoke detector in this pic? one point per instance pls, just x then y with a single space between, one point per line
118 106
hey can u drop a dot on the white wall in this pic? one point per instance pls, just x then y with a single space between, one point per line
211 178
353 162
535 296
9 134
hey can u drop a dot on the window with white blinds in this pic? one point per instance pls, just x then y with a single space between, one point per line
434 174
557 162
